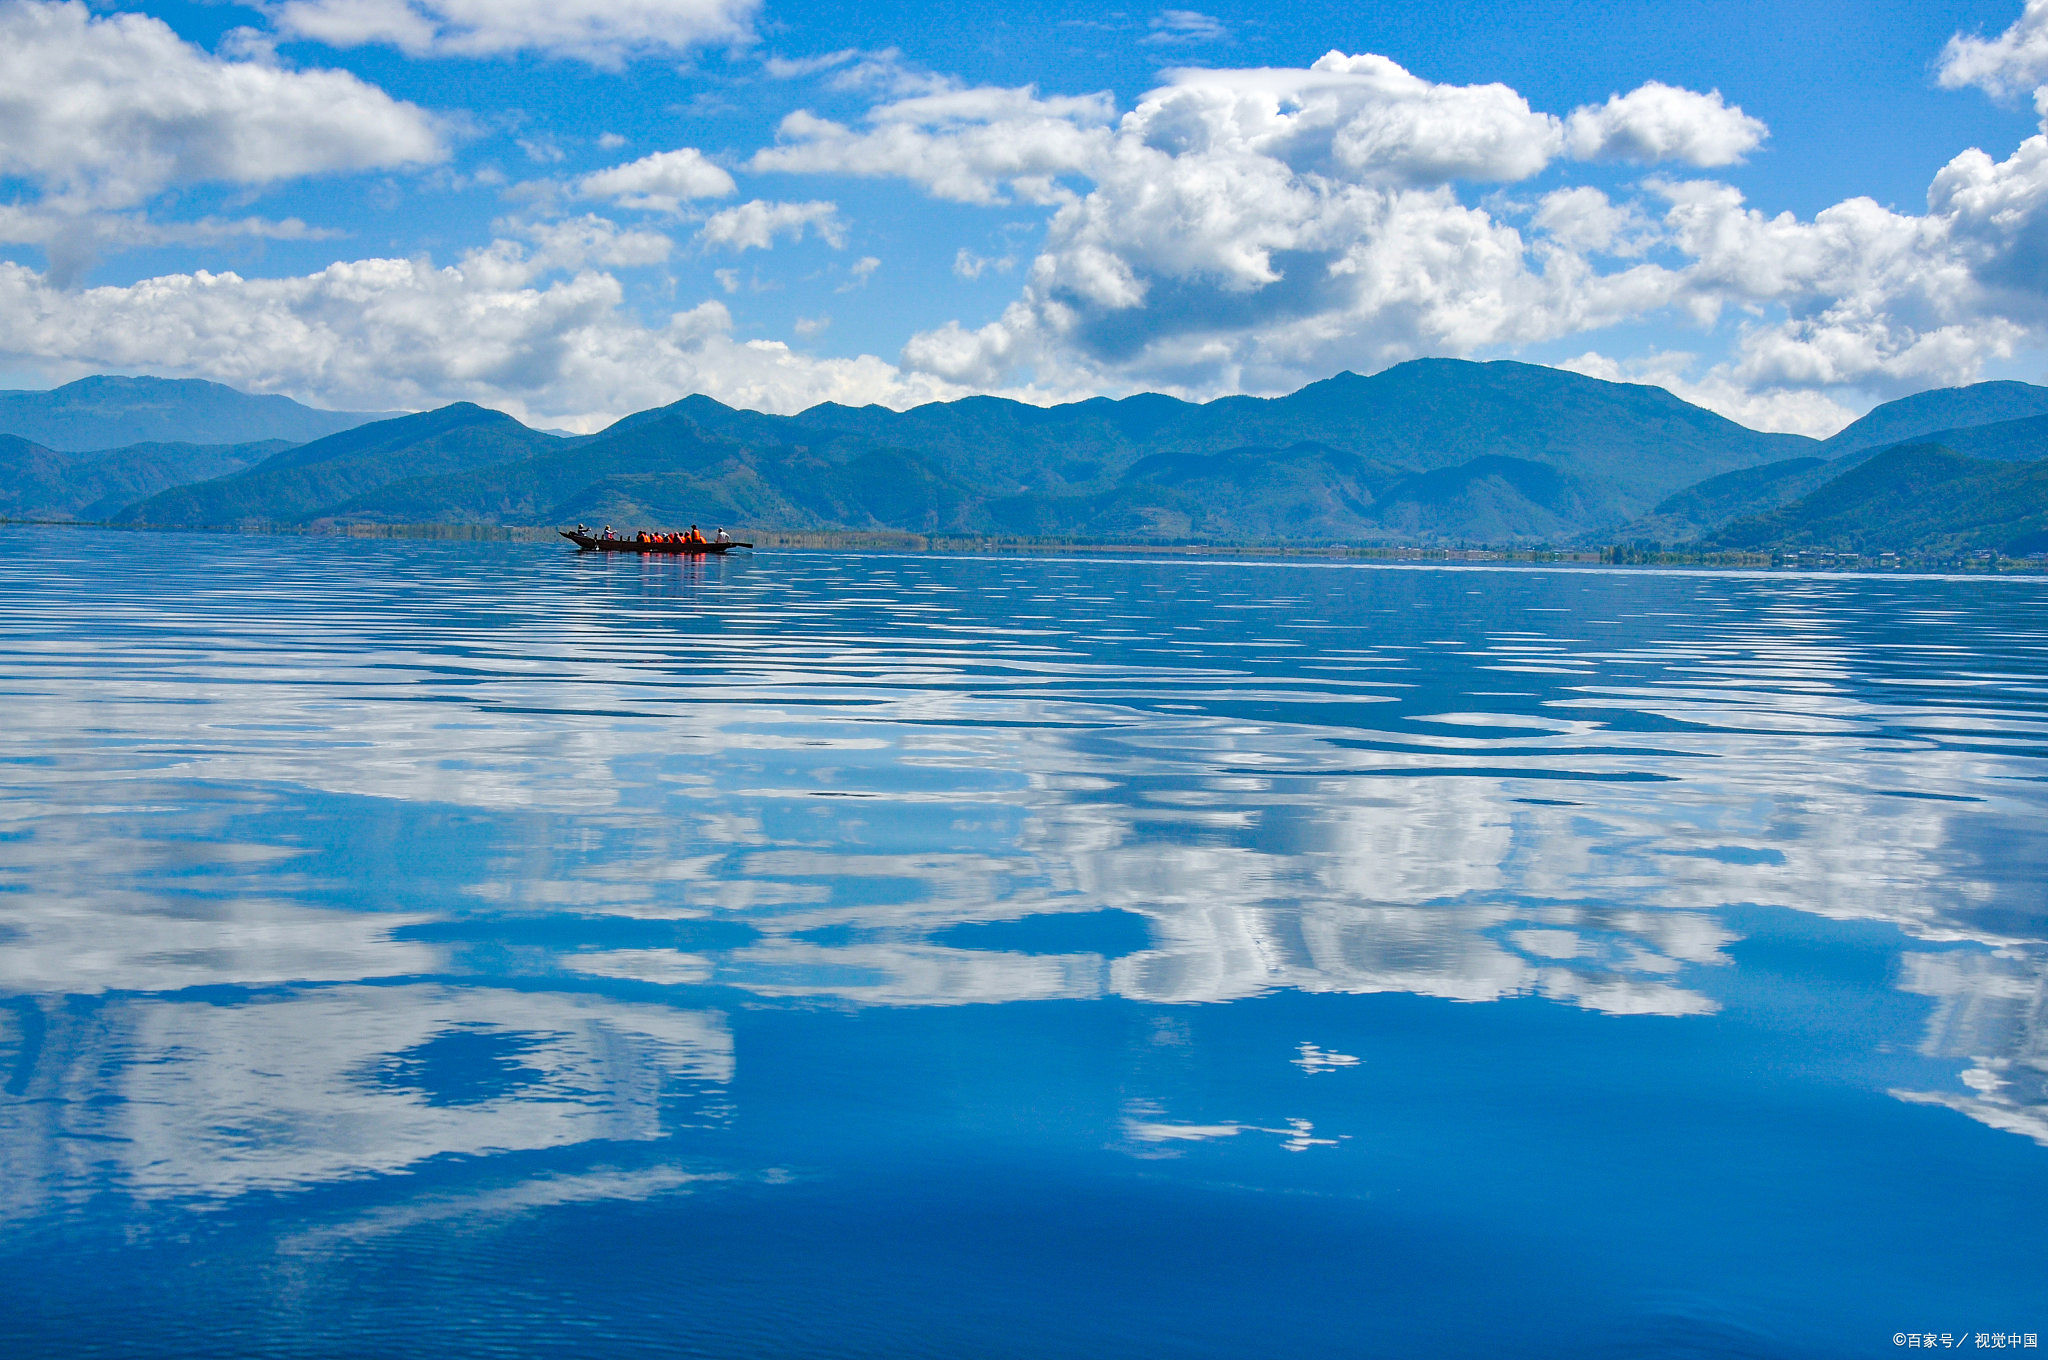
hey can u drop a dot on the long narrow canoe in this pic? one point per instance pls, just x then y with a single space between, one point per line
587 543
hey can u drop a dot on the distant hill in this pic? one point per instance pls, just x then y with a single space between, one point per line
1706 505
111 412
1918 498
43 483
1700 509
671 471
1636 443
1333 460
304 482
1430 451
1924 416
1433 450
2007 441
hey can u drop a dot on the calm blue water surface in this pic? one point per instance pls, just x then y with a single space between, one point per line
434 949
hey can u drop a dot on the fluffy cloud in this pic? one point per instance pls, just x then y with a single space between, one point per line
1248 230
1236 230
964 145
1793 410
1587 221
1662 123
755 225
1362 118
2006 66
104 112
73 241
1874 297
574 242
662 182
494 328
602 32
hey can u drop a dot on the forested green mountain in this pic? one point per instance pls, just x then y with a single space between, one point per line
1911 498
1430 451
1638 443
670 471
42 483
1925 416
113 412
1703 507
1433 451
305 482
2006 441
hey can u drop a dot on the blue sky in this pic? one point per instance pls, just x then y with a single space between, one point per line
571 209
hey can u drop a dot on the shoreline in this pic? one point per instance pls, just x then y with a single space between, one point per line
1612 555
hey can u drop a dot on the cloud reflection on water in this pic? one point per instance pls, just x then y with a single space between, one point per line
850 765
181 1098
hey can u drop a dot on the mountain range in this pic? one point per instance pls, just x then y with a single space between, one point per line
109 412
1432 451
1922 498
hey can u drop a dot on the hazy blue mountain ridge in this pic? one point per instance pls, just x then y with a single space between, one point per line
669 472
1433 450
1419 416
1707 505
299 484
108 412
1699 510
43 483
1429 452
643 474
1910 498
1925 416
2005 441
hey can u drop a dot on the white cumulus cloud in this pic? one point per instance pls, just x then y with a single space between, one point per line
1659 122
104 112
604 33
1248 230
2006 66
1792 410
1369 117
755 225
662 182
1235 230
495 328
571 243
1585 220
964 145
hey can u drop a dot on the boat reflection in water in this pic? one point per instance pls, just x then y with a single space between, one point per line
490 882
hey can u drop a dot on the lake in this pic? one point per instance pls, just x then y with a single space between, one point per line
477 949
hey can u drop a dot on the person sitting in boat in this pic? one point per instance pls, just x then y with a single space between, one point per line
607 532
694 536
723 536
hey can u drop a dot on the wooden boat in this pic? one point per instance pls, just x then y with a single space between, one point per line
592 543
